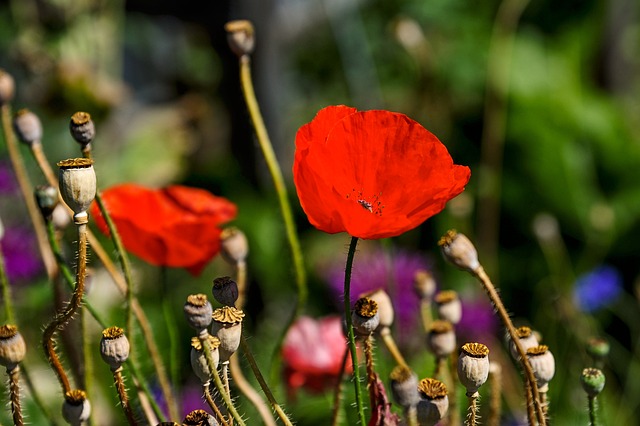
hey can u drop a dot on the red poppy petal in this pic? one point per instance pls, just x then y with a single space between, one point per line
200 201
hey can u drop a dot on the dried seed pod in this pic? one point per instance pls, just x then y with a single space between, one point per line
12 346
592 380
7 87
424 285
240 36
527 339
385 306
234 246
114 347
227 326
473 366
198 358
199 418
225 291
449 306
543 365
76 408
47 199
434 402
460 251
77 185
82 128
365 318
404 386
198 311
27 126
441 338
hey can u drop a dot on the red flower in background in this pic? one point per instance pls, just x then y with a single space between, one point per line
175 226
372 174
312 353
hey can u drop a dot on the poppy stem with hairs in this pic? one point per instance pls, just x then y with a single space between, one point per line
350 333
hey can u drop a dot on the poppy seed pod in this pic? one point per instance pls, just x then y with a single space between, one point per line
225 291
27 126
7 87
592 380
234 246
598 348
434 402
473 366
227 326
441 338
404 386
12 346
198 358
76 408
114 347
449 306
240 36
82 128
527 339
199 418
543 365
385 306
77 186
198 311
459 250
424 285
47 200
365 316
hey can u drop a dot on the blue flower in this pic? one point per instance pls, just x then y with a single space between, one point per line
597 289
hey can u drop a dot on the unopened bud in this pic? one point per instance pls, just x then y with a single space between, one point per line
460 251
240 36
225 291
7 87
27 126
82 128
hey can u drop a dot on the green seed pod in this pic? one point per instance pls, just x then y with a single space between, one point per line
592 381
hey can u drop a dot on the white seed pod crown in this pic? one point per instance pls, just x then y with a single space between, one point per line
12 346
77 185
543 365
114 347
473 366
198 357
76 408
227 326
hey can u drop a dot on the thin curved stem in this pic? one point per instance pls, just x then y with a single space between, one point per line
207 395
122 395
350 334
390 343
249 392
337 394
495 404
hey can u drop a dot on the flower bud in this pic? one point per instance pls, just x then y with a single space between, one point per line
198 311
441 338
459 250
434 402
27 126
240 36
385 306
473 366
47 200
198 358
527 339
449 306
76 408
82 128
598 349
234 246
365 316
225 291
592 381
7 87
114 347
404 386
424 285
199 418
543 365
78 186
227 326
12 346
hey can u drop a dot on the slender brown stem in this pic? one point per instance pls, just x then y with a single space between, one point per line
337 393
495 404
452 379
14 392
122 394
41 160
248 391
531 414
425 313
387 338
241 280
207 395
472 415
502 312
371 372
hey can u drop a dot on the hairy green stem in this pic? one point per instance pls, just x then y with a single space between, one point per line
592 411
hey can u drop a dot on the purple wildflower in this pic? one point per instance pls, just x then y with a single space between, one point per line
192 398
478 322
21 255
8 184
394 274
597 288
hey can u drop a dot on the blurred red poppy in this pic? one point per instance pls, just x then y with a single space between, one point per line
175 226
372 174
312 352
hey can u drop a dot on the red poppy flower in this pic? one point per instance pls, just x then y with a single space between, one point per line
372 174
176 226
312 353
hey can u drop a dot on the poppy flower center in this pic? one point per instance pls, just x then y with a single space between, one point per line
371 204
